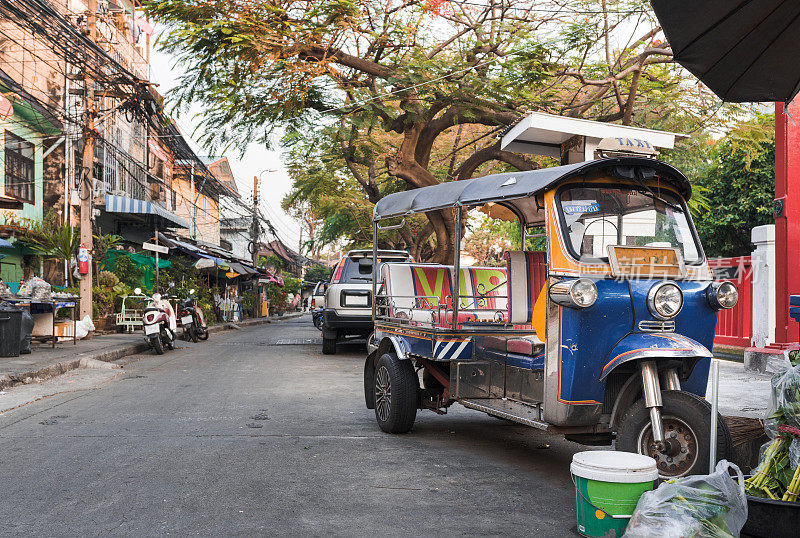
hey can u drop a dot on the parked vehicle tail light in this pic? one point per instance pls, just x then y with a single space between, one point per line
722 295
337 275
150 317
665 300
313 303
579 293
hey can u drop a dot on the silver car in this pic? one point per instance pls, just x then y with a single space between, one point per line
348 299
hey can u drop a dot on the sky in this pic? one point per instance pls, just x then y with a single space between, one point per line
256 160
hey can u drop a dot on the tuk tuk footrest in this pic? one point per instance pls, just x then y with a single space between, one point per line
528 414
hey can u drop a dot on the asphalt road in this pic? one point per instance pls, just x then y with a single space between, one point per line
255 432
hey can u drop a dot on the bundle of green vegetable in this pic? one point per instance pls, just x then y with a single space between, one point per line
701 506
778 473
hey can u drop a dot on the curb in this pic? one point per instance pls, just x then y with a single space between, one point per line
230 326
113 354
62 367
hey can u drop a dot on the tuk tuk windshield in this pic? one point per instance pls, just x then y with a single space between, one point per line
597 216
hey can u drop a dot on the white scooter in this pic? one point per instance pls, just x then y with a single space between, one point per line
159 322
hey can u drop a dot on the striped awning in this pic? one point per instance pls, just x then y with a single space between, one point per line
122 204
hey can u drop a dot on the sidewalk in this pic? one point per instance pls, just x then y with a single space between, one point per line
742 393
46 362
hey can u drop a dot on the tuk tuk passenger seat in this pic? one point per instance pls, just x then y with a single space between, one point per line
423 293
526 278
529 345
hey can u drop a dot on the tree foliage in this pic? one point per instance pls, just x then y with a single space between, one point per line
740 187
487 241
375 96
318 273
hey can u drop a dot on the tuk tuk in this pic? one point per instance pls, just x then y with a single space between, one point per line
604 337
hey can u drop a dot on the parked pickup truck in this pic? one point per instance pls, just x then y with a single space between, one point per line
348 299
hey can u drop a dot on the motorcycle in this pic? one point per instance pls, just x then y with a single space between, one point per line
159 322
194 325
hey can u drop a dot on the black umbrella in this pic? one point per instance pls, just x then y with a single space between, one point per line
744 50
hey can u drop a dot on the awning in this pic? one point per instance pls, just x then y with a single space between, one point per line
237 268
204 263
743 51
150 211
207 261
269 278
9 203
144 25
250 270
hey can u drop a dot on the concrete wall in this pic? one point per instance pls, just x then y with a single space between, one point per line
207 218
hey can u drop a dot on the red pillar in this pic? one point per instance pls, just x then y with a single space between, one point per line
787 219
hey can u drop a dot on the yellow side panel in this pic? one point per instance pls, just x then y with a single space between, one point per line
539 318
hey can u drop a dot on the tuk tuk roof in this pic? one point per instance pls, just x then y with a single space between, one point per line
512 188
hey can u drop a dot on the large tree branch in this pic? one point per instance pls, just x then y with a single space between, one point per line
492 153
455 115
320 53
625 72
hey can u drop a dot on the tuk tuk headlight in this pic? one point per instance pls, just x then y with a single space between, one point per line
665 300
722 295
580 293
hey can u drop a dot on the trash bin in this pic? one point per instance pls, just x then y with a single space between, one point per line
10 331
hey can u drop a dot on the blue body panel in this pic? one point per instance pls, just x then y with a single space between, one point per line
640 345
587 337
593 337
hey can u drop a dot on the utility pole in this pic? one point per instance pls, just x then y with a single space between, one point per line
300 253
256 233
87 185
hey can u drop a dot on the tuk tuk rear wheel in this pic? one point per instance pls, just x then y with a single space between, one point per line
396 394
687 428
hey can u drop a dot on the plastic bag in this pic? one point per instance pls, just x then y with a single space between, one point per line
36 289
785 408
25 334
5 291
712 505
82 328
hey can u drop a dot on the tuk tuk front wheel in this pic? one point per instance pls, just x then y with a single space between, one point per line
687 429
396 394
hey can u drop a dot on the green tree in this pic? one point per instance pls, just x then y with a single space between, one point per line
740 188
407 94
53 240
318 273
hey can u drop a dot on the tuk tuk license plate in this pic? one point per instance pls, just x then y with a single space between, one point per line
186 320
150 329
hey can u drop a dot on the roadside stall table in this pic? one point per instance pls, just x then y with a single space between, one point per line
38 306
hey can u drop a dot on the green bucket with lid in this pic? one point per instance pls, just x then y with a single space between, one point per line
608 485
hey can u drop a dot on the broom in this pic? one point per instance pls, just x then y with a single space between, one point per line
744 429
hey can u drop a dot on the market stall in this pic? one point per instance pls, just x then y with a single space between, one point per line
37 298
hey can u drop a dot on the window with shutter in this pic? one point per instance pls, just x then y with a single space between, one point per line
19 168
